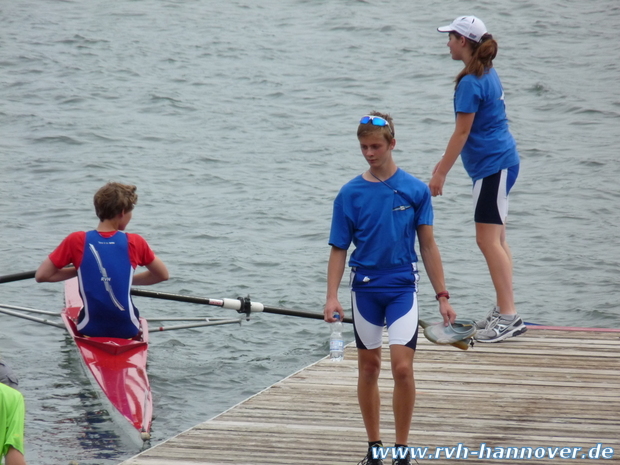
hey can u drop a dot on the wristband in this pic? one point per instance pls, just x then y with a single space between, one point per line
445 294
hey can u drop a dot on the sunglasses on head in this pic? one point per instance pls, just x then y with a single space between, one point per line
376 121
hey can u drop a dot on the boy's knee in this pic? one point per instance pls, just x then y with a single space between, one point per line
402 372
370 370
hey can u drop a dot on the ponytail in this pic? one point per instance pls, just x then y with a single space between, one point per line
484 52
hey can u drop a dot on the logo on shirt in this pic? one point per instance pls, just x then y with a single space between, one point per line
105 278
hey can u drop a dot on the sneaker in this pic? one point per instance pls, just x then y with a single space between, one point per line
401 460
482 324
368 460
404 461
499 329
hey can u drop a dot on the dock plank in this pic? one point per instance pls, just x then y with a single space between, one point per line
546 389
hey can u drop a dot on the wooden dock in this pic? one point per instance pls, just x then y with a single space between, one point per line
546 389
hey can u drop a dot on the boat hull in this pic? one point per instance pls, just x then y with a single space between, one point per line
117 369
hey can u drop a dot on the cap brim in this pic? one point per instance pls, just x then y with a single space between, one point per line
447 28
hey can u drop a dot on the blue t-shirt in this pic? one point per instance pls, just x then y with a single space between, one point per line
490 147
381 223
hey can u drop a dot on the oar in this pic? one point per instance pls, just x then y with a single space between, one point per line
212 322
31 318
30 310
17 276
165 318
242 304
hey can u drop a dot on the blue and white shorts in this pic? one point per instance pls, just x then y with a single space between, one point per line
393 301
490 196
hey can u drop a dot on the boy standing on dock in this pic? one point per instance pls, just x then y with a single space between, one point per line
381 211
104 261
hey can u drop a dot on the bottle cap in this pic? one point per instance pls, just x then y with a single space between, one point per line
337 316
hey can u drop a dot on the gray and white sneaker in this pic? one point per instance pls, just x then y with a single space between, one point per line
500 328
482 324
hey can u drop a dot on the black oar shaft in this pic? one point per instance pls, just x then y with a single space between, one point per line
177 297
235 304
17 276
286 311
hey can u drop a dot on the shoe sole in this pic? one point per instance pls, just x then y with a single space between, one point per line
515 332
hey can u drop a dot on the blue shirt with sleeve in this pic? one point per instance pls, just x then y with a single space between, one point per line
380 222
490 146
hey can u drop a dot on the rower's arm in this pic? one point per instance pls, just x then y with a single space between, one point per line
48 273
156 272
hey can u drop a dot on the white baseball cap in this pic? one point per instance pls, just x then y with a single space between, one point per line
468 26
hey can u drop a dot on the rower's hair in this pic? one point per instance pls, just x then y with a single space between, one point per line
364 130
483 54
113 199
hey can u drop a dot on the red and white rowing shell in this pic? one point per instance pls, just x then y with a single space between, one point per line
117 369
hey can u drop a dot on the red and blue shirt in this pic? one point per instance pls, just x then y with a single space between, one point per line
105 262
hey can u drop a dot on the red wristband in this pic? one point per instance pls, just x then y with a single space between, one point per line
445 294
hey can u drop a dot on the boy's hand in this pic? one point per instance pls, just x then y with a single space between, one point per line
447 312
332 306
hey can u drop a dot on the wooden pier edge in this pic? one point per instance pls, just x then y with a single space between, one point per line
547 390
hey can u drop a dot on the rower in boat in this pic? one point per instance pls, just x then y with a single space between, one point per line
104 260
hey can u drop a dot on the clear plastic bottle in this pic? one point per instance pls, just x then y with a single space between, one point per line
336 341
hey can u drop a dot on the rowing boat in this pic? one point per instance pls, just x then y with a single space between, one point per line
117 367
117 370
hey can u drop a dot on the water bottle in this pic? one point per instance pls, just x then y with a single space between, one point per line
336 341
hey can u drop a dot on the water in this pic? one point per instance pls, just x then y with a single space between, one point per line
236 121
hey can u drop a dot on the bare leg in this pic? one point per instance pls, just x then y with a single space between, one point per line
491 239
369 363
403 399
505 246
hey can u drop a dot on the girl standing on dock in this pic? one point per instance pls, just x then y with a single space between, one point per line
489 154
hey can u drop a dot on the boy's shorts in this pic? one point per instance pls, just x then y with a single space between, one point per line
490 196
397 307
